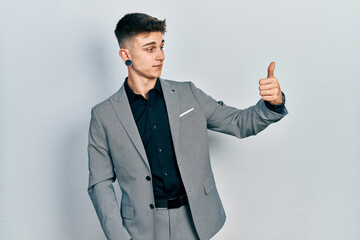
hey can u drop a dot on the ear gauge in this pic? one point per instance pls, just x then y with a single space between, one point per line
128 62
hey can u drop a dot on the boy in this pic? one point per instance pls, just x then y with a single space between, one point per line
151 135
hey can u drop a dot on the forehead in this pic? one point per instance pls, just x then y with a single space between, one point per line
144 38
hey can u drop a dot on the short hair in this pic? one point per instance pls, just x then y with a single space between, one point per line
136 23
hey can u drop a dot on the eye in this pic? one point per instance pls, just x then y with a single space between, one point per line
150 49
162 47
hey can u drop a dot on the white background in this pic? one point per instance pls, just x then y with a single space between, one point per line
297 180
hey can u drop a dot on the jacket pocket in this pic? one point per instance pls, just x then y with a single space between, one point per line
127 211
188 114
209 185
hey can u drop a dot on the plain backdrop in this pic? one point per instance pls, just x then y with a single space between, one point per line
299 179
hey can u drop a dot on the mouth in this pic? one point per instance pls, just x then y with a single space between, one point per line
158 66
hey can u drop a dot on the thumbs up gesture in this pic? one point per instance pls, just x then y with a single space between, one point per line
269 87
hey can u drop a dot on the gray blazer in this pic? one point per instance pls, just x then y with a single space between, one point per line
116 151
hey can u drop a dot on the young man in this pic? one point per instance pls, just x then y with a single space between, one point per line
151 135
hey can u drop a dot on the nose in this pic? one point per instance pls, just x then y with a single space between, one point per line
160 55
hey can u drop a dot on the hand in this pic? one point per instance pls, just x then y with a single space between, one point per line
270 88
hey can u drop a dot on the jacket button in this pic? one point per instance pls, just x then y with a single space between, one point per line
152 206
148 178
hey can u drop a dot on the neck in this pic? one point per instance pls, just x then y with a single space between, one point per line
141 85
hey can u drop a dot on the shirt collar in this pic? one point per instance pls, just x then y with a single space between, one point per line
131 95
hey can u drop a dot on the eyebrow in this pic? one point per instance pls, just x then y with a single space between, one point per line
151 43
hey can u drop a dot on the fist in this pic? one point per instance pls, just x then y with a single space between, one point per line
270 88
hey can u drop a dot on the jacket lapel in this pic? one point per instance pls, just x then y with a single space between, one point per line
171 97
122 109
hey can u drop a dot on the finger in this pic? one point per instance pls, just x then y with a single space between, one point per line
267 86
267 81
268 98
271 70
266 93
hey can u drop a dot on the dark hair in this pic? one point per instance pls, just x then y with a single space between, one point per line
135 23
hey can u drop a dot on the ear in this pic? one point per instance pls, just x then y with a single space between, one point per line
124 54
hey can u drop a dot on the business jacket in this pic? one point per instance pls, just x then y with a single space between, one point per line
116 151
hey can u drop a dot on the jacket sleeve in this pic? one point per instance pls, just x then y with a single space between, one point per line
230 120
101 177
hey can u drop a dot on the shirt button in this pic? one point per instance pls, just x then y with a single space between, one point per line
152 206
148 178
160 149
154 127
165 173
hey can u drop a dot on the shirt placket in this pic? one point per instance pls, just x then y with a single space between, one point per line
153 102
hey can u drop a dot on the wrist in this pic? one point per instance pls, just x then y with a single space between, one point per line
279 103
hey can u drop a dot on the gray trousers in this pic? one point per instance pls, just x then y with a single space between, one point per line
175 224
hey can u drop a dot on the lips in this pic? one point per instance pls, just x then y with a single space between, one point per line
158 66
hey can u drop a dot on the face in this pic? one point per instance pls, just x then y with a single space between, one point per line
147 54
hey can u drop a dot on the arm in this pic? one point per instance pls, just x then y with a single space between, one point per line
245 122
101 177
237 122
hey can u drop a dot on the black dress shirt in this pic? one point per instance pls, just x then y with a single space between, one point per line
153 125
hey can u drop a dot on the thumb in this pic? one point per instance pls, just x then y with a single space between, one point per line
271 70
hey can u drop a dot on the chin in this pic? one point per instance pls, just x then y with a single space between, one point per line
156 75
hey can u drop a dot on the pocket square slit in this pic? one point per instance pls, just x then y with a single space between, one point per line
186 112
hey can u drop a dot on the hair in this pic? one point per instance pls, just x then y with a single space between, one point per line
136 23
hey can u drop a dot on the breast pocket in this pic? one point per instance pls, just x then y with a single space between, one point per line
187 114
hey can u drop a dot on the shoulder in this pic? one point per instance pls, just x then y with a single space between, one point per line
169 81
184 86
178 84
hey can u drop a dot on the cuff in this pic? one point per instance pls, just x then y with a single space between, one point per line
277 108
